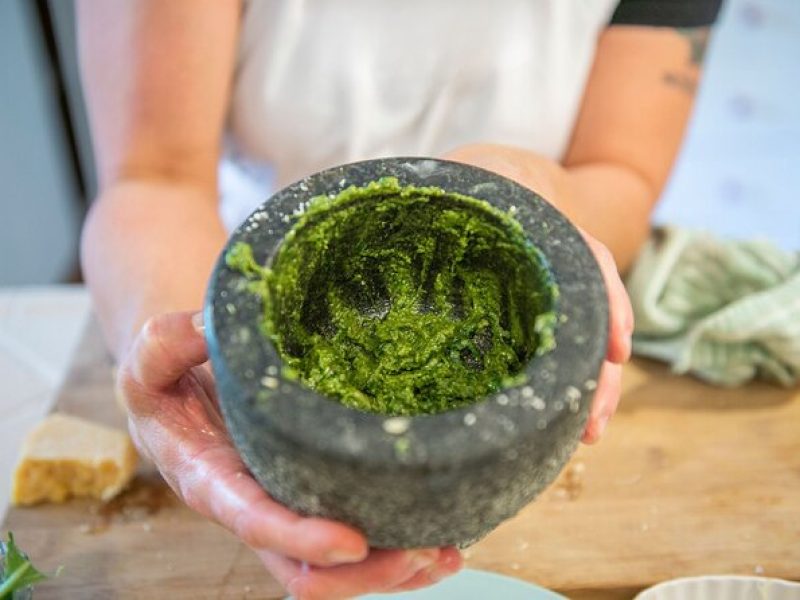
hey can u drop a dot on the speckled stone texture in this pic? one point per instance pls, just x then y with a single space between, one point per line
415 481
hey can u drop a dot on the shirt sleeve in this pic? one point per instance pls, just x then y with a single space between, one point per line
667 13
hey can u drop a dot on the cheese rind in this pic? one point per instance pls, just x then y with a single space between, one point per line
66 457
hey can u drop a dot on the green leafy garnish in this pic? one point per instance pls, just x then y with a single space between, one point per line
18 572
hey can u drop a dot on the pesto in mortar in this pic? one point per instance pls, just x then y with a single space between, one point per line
404 300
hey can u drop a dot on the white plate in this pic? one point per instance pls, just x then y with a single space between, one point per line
470 584
723 587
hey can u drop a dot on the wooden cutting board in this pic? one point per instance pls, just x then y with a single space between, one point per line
689 480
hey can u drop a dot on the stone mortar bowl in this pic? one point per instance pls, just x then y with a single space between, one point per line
423 480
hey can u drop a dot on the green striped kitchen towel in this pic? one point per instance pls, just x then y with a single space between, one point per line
726 311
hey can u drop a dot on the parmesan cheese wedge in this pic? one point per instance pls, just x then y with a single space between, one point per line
65 457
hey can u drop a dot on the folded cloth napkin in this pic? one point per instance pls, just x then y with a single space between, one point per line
726 311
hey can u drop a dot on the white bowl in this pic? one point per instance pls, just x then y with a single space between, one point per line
723 587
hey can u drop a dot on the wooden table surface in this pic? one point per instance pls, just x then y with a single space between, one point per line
688 480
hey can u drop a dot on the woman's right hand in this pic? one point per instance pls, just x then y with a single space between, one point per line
174 421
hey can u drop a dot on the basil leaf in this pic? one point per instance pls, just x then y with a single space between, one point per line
18 573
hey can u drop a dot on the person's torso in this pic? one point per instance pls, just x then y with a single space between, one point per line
322 82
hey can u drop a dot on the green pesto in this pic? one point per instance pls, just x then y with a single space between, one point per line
404 300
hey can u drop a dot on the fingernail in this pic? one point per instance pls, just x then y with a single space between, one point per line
340 557
197 322
628 347
422 559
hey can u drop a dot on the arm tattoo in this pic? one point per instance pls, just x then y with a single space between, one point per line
687 81
698 40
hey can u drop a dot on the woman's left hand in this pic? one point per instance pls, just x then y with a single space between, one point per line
547 178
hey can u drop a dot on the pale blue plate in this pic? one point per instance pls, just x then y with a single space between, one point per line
470 584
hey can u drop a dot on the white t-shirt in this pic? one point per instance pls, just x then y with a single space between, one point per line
323 82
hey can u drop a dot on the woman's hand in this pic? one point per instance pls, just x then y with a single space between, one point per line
620 330
551 181
175 421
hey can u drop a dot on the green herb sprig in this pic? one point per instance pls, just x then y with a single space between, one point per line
18 571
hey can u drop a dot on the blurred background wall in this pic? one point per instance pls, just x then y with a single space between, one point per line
42 199
739 170
738 173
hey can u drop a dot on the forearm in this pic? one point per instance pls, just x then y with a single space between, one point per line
148 247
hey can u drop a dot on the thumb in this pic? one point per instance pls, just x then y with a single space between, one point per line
167 346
